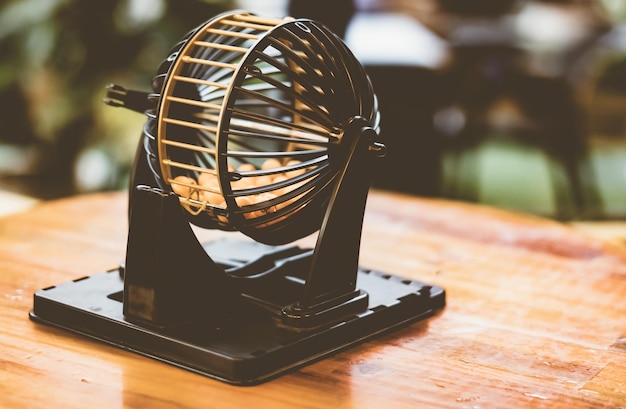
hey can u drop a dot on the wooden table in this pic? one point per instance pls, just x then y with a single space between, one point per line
535 317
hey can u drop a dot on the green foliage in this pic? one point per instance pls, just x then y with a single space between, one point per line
56 58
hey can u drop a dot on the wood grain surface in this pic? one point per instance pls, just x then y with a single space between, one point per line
536 317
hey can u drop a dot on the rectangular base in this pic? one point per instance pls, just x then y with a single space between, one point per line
255 349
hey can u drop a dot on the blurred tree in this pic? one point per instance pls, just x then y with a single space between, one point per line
56 57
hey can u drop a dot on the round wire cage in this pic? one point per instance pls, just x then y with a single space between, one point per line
250 115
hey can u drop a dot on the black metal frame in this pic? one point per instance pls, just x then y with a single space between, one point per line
243 311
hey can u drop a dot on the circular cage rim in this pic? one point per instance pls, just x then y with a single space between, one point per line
178 63
226 216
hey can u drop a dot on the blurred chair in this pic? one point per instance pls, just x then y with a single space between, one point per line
523 59
404 61
334 14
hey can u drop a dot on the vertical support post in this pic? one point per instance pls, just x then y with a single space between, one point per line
331 282
169 279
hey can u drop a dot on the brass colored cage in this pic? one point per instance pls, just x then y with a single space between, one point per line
250 112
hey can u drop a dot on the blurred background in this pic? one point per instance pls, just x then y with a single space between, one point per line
511 103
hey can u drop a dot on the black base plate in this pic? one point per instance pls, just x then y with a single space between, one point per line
246 352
